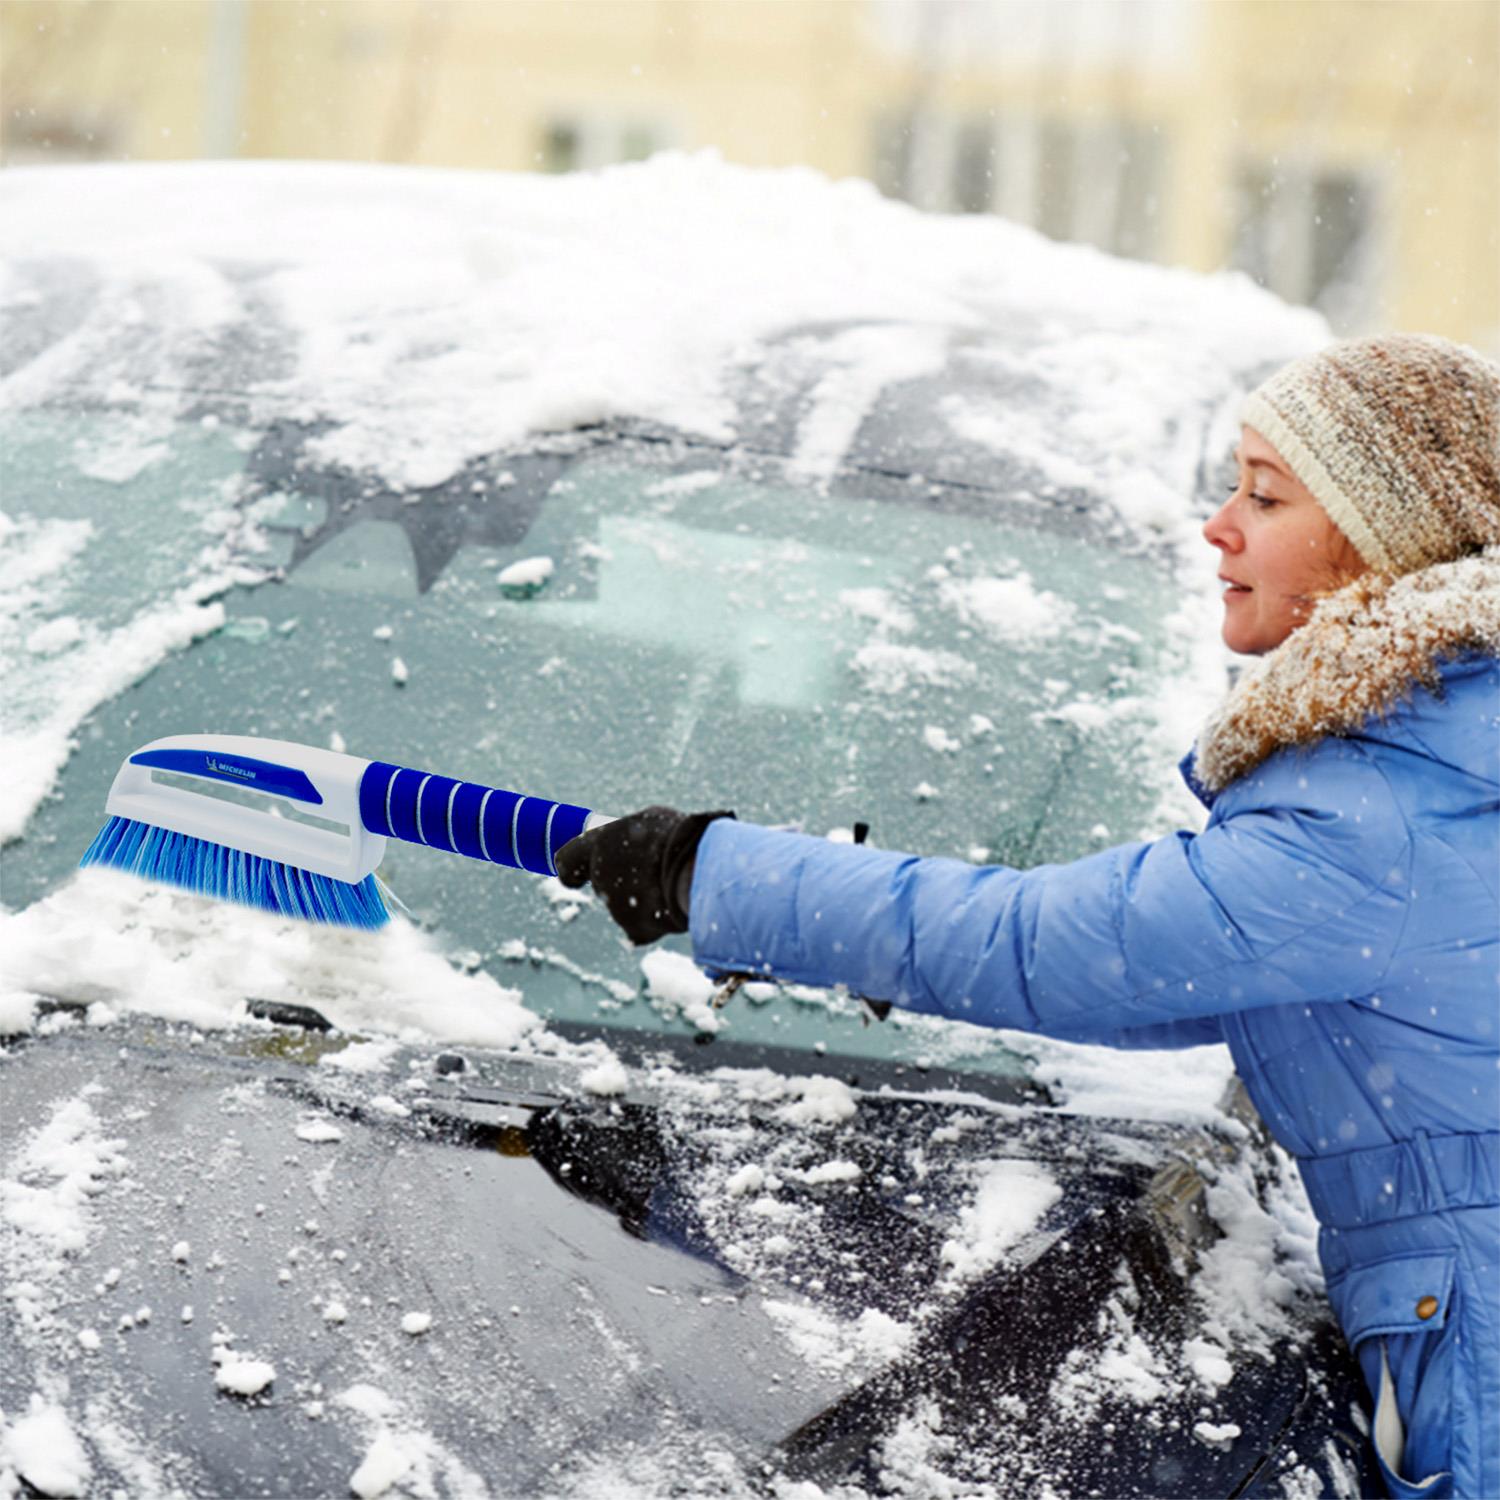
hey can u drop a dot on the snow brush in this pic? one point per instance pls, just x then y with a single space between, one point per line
303 830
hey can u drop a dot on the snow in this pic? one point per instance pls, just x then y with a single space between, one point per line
747 1179
888 668
685 484
43 1448
864 362
1250 1279
106 936
559 325
935 737
1010 610
832 1171
1180 1087
17 1011
1216 1435
402 1453
56 635
368 1057
1131 1371
369 1401
50 1183
1208 1362
812 1100
119 465
606 1079
878 606
241 1375
1010 1199
56 672
566 902
872 1339
529 572
675 981
385 1463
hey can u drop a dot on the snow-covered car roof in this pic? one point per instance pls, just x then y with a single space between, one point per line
432 318
849 510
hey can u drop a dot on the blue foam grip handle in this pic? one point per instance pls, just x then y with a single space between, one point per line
463 817
496 818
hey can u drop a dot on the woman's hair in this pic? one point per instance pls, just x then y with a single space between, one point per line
1398 439
1342 565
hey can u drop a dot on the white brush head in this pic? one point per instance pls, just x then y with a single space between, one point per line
291 803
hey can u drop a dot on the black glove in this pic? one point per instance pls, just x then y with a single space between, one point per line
642 866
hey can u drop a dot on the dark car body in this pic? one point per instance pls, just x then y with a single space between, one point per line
584 1320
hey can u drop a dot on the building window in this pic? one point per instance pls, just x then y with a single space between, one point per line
575 144
560 147
40 140
974 166
1099 181
1312 236
892 154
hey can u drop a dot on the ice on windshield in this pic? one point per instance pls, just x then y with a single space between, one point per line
119 538
978 687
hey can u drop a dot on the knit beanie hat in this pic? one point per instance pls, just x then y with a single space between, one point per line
1398 438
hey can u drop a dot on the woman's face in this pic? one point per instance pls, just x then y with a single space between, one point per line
1278 550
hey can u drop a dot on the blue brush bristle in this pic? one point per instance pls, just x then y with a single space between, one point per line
231 875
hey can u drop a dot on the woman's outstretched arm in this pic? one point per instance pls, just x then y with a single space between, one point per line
1298 896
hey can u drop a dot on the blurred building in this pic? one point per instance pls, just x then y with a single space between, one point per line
1344 152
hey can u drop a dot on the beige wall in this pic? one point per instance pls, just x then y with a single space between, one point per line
116 81
1401 93
1407 92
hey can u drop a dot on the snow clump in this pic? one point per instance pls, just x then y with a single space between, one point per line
153 950
606 1079
384 1465
890 669
1009 609
1010 1200
43 1449
239 1374
676 981
529 573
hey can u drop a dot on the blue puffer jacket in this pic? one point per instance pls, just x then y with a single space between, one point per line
1337 923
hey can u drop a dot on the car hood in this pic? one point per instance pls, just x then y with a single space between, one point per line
277 1262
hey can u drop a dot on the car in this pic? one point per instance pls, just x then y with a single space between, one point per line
678 483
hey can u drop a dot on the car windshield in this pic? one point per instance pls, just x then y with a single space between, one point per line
970 673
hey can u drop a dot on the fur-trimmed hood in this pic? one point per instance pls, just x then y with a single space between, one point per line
1360 654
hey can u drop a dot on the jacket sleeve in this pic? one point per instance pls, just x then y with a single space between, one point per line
1296 896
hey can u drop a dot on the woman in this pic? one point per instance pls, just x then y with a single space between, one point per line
1337 922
